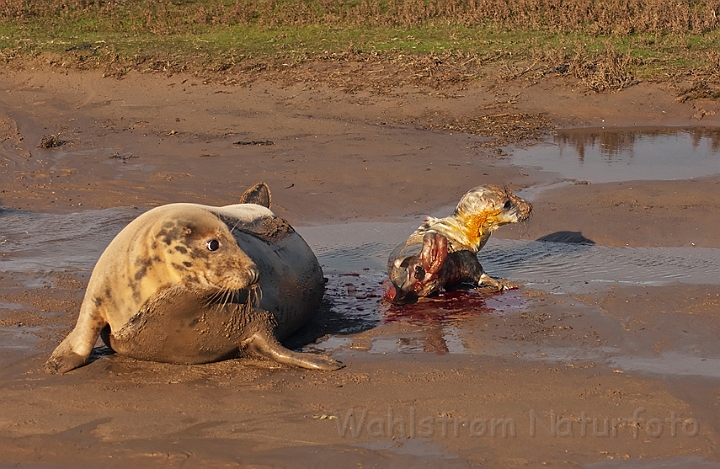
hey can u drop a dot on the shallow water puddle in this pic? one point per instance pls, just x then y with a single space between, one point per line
39 242
670 363
612 155
551 266
577 268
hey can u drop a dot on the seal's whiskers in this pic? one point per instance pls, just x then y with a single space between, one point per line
254 296
237 223
227 296
214 298
525 227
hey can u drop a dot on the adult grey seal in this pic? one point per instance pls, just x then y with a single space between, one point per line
189 283
442 252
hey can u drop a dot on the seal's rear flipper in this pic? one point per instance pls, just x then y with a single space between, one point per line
265 344
258 194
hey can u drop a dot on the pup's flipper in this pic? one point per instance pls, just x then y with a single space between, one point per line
499 285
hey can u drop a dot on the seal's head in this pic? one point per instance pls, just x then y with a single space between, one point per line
196 249
486 208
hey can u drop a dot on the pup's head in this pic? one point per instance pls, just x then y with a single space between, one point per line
489 207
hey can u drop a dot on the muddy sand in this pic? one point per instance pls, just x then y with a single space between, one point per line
607 356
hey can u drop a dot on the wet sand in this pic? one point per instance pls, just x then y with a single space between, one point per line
565 372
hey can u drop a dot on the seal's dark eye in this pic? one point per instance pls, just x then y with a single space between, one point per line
507 205
213 245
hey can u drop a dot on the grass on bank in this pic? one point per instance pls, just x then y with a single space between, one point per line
606 43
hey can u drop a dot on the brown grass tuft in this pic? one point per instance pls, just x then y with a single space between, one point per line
601 17
609 71
503 128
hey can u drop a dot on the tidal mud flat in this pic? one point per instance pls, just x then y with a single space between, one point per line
606 357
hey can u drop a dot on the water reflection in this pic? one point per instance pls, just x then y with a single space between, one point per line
443 318
611 155
616 143
454 305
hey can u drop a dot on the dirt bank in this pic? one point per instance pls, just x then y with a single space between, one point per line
532 378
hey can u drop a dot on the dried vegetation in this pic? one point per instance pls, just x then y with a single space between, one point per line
605 45
502 128
618 17
146 35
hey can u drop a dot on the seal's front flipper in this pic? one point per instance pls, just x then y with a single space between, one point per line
64 359
499 285
74 351
266 345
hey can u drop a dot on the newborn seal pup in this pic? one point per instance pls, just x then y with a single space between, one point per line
442 252
181 284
